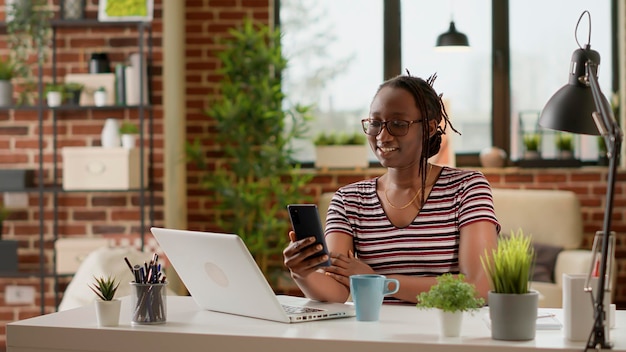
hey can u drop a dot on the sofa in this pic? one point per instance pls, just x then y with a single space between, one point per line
554 220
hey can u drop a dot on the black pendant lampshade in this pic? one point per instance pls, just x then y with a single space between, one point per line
570 108
452 38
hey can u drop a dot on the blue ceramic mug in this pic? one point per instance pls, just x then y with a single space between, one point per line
368 292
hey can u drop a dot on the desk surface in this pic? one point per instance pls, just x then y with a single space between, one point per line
401 328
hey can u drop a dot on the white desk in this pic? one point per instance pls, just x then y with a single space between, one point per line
401 328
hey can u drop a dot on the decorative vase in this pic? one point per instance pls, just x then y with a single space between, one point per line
566 154
100 98
531 154
492 157
128 141
110 136
513 316
450 323
54 99
108 312
6 93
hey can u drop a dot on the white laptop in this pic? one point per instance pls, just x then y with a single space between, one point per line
222 276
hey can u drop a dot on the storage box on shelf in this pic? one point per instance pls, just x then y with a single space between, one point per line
96 168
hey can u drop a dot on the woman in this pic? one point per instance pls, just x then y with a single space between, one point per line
413 223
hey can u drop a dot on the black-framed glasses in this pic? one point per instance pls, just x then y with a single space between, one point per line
396 128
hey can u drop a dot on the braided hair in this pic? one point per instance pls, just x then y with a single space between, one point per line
430 104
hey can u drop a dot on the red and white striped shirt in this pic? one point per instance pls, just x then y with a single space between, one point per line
429 246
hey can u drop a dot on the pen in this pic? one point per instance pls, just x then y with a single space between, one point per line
137 274
130 266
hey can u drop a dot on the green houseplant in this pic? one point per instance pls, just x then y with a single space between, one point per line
29 34
105 287
73 91
452 296
255 177
340 150
107 307
128 134
509 268
564 143
531 141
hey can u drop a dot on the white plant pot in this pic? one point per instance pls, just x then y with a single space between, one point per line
450 323
100 98
54 99
341 157
108 312
128 141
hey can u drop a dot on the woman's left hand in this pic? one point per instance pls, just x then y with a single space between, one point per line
343 266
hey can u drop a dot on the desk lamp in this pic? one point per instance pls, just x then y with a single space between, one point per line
571 109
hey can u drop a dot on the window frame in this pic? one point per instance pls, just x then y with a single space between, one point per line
501 89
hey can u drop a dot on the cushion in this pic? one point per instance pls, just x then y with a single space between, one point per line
545 261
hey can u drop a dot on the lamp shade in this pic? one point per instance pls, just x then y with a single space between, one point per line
452 38
570 108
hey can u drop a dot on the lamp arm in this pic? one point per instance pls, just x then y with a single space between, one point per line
612 133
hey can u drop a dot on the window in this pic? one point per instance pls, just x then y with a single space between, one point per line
541 50
336 61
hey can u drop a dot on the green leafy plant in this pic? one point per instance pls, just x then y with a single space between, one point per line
52 87
257 176
29 34
128 127
339 138
451 294
7 69
105 287
510 266
564 142
532 141
73 86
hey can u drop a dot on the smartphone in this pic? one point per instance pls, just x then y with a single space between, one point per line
305 221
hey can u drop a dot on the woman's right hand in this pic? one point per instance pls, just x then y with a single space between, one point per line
298 256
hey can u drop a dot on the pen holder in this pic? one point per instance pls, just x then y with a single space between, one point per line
149 303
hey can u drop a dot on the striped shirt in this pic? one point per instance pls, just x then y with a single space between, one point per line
429 246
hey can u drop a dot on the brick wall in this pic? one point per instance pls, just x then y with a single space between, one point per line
114 214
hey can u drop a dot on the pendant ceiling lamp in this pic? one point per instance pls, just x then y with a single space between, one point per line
452 39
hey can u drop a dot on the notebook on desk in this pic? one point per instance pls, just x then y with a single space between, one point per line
222 276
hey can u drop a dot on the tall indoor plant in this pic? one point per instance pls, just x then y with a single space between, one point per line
513 306
255 177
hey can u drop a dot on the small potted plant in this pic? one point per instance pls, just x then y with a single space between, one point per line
509 268
452 296
54 94
532 141
73 91
100 96
107 307
565 145
7 71
340 150
128 131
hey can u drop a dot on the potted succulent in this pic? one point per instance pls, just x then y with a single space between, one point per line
54 94
7 71
107 307
564 145
509 268
341 150
531 141
452 296
128 133
100 96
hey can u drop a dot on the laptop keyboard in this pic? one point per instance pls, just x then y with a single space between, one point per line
300 309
